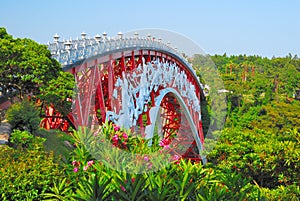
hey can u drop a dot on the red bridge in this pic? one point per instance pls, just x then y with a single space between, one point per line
138 83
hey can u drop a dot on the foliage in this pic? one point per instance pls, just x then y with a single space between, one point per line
256 75
93 189
265 158
23 139
57 141
278 117
261 139
90 179
27 69
27 174
25 66
291 192
58 92
61 190
120 149
23 116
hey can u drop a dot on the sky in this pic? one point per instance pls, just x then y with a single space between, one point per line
252 27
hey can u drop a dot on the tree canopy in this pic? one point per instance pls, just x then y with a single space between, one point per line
25 66
27 70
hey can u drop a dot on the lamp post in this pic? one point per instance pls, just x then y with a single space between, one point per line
104 35
120 35
136 35
56 38
97 38
83 35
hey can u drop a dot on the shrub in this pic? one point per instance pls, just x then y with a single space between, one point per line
24 139
27 174
21 137
267 158
291 192
23 116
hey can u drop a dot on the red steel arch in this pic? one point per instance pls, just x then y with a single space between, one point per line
96 79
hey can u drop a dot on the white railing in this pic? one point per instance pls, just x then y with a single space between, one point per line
71 51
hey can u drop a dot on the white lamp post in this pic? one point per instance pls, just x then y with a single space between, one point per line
83 35
120 35
56 38
97 38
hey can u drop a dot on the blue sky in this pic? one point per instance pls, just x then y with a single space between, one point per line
261 27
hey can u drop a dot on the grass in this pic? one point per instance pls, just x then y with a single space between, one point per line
55 141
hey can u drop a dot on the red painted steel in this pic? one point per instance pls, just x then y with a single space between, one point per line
96 81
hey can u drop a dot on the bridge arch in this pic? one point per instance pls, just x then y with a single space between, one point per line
186 123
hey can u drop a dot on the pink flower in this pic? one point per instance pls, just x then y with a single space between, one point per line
125 136
132 180
75 169
146 158
115 138
166 146
85 168
123 188
164 143
90 163
75 163
116 128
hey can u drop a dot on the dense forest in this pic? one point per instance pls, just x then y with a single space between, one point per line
261 134
262 93
257 156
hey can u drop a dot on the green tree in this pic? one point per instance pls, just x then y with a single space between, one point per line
25 66
58 91
27 69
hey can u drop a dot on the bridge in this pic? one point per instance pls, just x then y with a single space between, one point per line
140 83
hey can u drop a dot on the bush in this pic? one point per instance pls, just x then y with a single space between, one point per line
20 138
267 158
26 170
24 139
23 116
27 174
291 192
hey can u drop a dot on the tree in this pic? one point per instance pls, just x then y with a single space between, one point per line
25 66
57 92
27 70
